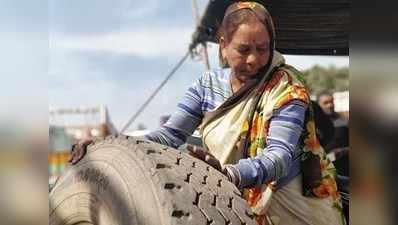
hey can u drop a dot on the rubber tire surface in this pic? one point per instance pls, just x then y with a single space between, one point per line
129 181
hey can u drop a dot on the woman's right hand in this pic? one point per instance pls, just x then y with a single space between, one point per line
79 150
202 154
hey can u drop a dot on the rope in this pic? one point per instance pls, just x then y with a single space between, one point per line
141 109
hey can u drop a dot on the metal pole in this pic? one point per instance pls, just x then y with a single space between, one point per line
134 117
197 19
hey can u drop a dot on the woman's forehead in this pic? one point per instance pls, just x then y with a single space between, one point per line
249 33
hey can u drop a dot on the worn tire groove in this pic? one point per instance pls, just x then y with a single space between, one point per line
188 191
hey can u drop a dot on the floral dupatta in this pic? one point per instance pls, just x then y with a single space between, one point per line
239 128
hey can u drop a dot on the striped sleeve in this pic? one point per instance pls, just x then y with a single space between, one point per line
276 161
183 121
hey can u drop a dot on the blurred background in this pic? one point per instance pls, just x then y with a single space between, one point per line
72 69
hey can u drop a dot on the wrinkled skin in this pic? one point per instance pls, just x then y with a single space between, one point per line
246 52
205 156
79 150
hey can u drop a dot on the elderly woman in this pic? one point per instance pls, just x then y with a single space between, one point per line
257 125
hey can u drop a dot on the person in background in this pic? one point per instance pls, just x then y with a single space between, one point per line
257 125
325 127
340 141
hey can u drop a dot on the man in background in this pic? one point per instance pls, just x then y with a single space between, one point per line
339 144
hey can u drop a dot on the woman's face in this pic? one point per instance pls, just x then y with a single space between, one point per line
247 50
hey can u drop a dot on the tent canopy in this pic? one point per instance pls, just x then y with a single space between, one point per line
303 27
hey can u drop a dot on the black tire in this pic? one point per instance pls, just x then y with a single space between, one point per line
129 181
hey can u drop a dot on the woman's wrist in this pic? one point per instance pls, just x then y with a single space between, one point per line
233 174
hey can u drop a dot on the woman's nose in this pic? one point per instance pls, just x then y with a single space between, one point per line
252 58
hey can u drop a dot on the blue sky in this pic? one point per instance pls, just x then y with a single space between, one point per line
117 52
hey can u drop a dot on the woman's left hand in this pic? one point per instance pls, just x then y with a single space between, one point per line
205 156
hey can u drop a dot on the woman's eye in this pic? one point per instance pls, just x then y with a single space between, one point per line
262 50
243 50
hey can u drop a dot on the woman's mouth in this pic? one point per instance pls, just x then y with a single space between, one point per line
247 72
